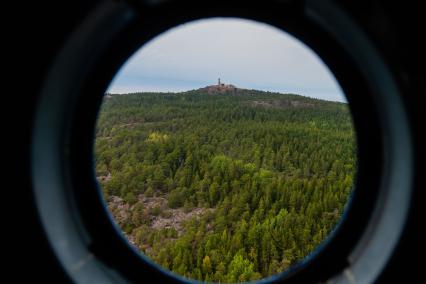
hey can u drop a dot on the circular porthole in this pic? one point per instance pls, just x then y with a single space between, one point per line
225 181
71 208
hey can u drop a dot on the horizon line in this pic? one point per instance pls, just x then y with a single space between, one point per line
181 92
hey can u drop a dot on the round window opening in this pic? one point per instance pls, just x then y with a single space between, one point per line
225 151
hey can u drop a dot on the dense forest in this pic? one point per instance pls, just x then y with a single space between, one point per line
225 187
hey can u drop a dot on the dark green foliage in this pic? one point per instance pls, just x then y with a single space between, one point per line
276 170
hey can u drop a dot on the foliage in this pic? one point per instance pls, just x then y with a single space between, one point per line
276 168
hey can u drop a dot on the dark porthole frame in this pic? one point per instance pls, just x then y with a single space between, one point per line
81 233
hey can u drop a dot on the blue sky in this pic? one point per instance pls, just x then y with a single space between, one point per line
244 53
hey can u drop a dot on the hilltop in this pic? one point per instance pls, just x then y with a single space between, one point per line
229 92
259 98
220 88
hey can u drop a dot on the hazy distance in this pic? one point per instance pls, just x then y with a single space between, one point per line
241 52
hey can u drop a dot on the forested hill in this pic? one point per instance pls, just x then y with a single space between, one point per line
225 186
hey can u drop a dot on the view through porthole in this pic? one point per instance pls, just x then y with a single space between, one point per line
225 150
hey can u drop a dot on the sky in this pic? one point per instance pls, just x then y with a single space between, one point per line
244 53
